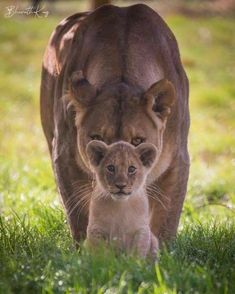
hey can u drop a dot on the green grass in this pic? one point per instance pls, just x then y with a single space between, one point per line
40 258
36 250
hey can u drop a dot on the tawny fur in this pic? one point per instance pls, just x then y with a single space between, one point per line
116 74
121 219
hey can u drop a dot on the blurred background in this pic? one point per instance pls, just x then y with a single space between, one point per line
205 31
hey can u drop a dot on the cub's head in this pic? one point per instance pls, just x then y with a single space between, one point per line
120 112
121 168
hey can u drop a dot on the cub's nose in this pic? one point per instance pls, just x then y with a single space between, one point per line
120 186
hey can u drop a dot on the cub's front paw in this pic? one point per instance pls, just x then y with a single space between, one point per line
95 237
153 252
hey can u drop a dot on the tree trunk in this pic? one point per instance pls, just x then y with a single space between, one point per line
35 4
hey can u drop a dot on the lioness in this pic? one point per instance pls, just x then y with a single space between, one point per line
109 75
119 207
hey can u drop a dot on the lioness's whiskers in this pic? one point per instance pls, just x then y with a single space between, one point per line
158 191
152 193
78 181
78 185
154 186
154 197
98 195
78 191
82 194
82 200
81 183
82 207
76 194
76 200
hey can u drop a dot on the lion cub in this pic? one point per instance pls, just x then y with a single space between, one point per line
119 208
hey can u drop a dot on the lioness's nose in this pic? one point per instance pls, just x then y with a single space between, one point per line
121 186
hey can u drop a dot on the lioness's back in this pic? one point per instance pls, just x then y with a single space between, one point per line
123 43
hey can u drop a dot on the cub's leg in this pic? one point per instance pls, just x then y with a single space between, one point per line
142 242
95 235
153 247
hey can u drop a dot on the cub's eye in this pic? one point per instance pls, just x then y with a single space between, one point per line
111 168
96 137
137 141
131 170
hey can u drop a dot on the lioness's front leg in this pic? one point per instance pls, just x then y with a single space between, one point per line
75 195
73 183
75 189
75 198
166 208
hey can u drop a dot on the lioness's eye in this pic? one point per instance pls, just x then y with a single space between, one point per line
131 169
111 168
137 141
96 137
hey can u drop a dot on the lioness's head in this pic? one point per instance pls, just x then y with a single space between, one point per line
120 112
121 168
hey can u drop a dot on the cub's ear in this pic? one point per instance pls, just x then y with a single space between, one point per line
81 91
160 97
147 153
96 151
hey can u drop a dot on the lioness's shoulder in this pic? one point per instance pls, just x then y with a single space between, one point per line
60 42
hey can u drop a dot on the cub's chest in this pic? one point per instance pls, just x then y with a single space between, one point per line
120 218
122 227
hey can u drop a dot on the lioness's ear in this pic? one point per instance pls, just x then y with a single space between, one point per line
147 153
96 151
160 98
81 91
